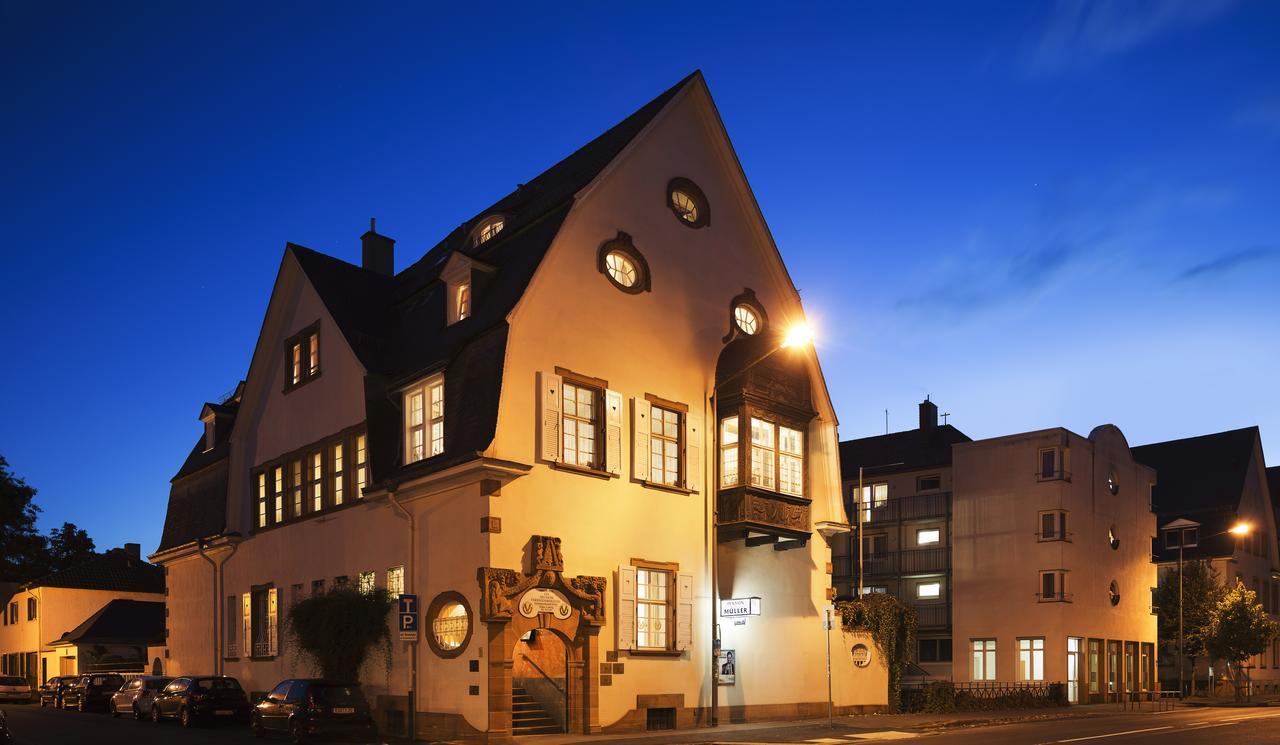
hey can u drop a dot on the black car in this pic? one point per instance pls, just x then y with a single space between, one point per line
310 709
191 700
51 692
91 691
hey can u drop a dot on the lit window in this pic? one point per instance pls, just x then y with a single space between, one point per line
302 356
763 454
621 269
277 494
688 203
395 581
487 230
746 318
1031 659
790 461
450 626
463 300
296 374
362 465
262 500
366 582
664 446
684 206
295 487
317 483
984 659
1112 538
652 608
337 473
928 536
929 590
579 415
874 497
729 451
313 348
424 420
1113 484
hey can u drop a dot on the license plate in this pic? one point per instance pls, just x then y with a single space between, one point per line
224 712
344 710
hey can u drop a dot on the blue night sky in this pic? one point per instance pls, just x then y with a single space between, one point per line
1041 214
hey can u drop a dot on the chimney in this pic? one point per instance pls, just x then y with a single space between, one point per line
133 551
928 414
377 251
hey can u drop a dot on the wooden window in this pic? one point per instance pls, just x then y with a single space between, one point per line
302 357
295 374
729 471
395 581
1031 659
295 487
313 355
31 609
764 454
777 457
790 461
928 536
655 607
487 229
929 590
362 465
424 419
316 480
231 612
984 659
366 582
462 298
652 608
262 499
581 407
260 619
665 447
336 468
277 494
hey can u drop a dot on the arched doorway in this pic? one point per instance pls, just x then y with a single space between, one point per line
540 683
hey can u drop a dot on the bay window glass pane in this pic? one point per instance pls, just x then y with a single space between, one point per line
337 474
761 433
790 441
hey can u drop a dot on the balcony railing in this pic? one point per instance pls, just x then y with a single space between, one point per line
918 507
909 561
934 615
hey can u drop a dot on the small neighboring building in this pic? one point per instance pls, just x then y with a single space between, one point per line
116 638
1029 549
1217 481
43 610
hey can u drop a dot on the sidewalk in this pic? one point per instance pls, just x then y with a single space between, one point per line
800 730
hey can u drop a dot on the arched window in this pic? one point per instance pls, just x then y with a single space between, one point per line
622 264
487 229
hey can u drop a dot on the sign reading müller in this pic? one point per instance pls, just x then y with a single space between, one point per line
541 600
739 607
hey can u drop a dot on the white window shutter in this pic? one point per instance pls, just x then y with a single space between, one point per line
273 628
613 432
246 605
693 452
626 607
684 611
640 439
549 396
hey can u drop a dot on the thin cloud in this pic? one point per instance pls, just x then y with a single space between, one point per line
1264 115
1081 33
1227 262
1002 281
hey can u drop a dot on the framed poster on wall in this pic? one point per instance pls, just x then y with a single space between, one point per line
727 661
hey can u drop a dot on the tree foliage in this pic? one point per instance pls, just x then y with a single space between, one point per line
68 546
1200 595
25 554
1239 629
892 625
338 630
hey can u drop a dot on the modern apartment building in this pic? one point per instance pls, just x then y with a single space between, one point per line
1025 555
569 429
1208 485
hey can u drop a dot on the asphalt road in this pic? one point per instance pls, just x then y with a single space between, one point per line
1191 726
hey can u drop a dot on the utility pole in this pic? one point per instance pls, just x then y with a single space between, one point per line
858 505
827 626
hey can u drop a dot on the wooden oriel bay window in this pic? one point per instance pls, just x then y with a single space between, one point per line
311 480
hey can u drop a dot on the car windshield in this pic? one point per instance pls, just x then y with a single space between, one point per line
216 684
10 680
155 685
330 695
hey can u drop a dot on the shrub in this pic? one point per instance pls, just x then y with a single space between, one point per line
339 629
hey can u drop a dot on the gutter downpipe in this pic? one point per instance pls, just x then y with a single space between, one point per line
215 577
39 634
413 655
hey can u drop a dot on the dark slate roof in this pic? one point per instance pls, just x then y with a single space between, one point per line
914 449
1199 474
1214 538
197 505
120 622
199 458
396 325
1273 485
115 570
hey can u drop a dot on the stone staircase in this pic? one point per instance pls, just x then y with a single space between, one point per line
528 717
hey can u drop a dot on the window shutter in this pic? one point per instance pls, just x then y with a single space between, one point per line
549 383
246 617
626 607
273 628
613 432
693 452
640 439
684 611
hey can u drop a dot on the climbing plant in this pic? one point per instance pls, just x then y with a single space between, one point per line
892 625
340 629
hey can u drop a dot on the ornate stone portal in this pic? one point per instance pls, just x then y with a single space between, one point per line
513 603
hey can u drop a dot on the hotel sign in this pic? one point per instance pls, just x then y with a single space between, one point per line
542 600
739 607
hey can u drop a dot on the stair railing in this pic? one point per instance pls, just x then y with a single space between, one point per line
563 690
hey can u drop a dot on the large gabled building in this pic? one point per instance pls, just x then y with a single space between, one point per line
568 428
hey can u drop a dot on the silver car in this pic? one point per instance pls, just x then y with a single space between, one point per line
135 697
13 688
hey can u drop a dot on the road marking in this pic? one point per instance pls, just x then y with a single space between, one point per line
885 735
1116 734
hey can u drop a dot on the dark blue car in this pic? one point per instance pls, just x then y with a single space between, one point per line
311 709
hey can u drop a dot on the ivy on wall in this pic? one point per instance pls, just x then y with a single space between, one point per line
338 630
892 626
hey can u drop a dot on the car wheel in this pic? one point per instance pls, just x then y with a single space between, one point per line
137 713
80 706
155 713
256 727
184 717
296 734
111 707
42 702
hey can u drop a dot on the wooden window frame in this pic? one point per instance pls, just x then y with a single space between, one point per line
278 491
672 572
1031 657
425 388
598 388
338 472
305 487
260 513
360 480
994 652
682 462
308 345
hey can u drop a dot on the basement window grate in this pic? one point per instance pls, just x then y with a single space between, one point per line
658 719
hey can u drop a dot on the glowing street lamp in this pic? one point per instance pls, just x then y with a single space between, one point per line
799 335
1240 529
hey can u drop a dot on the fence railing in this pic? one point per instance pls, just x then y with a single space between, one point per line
933 615
905 561
1148 700
915 507
984 695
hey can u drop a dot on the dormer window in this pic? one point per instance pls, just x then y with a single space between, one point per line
302 357
210 432
462 299
487 229
460 276
424 419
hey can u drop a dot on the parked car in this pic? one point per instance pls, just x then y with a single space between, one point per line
52 690
310 709
194 699
91 691
13 688
136 696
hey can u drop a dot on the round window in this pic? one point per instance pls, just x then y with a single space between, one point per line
621 270
747 319
1113 485
688 203
1114 592
450 619
1112 539
619 260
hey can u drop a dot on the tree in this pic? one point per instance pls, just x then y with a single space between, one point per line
22 548
1200 595
338 630
68 546
1239 629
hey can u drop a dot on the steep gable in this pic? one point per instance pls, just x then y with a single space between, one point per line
1202 473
